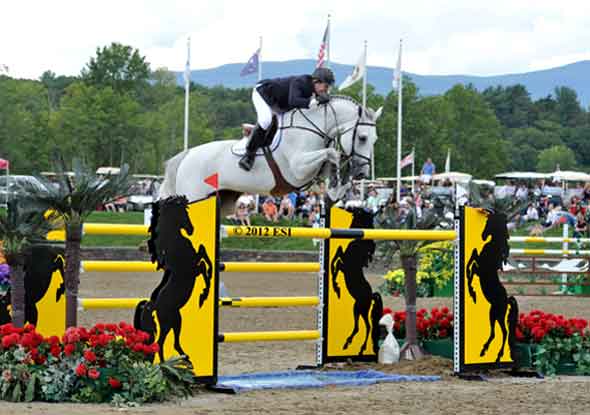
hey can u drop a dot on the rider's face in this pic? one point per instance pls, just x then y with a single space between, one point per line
321 88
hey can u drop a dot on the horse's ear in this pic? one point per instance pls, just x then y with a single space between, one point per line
378 113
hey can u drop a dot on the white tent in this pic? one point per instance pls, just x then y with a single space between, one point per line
522 175
571 176
453 176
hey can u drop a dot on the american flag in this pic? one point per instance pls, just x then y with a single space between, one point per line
324 47
406 161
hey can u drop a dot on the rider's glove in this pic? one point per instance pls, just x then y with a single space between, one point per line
323 99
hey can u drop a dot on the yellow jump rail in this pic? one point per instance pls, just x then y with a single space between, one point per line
130 303
145 266
263 336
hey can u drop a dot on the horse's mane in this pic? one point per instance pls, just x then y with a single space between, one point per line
345 98
155 242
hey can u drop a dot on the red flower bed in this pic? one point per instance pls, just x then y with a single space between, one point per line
531 328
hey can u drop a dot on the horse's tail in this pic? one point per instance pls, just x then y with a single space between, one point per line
512 323
168 187
376 314
143 319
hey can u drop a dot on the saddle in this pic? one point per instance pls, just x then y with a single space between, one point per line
271 142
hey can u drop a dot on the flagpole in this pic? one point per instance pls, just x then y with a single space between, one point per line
413 169
260 60
187 84
399 121
365 106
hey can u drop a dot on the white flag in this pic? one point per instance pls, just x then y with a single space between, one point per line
448 162
187 69
397 75
357 73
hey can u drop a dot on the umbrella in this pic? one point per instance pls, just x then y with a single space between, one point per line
572 176
522 175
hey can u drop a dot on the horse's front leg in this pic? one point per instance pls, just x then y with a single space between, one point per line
470 271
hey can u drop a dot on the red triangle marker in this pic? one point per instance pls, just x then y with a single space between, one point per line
213 181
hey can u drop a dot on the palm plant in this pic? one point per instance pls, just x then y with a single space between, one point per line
392 218
73 199
20 229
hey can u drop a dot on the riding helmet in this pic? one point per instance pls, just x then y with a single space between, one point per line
324 75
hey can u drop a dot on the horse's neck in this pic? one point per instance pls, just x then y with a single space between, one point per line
319 118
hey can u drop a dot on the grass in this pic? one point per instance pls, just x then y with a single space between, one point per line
275 244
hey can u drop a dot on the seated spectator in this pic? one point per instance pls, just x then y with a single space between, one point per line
587 192
286 209
532 214
269 210
581 225
248 200
315 215
522 192
242 213
306 209
372 200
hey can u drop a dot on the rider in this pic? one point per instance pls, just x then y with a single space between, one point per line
280 95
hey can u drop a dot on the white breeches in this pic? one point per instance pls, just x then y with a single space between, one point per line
263 111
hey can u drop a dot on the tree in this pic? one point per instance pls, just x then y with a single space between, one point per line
475 131
568 107
117 66
392 218
72 201
556 157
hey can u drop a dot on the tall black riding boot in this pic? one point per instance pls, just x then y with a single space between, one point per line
256 139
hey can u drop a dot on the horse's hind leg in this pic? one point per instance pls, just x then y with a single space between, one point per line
492 332
176 326
355 330
164 330
367 330
504 338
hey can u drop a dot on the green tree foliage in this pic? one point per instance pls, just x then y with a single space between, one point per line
117 66
556 157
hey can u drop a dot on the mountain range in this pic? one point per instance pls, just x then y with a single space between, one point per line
538 83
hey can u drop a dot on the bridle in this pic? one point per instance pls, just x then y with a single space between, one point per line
336 140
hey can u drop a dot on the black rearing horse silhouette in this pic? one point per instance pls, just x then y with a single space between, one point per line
351 262
485 265
39 268
173 251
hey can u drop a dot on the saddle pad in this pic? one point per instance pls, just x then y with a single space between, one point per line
239 148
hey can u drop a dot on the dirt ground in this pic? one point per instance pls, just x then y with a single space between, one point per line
500 395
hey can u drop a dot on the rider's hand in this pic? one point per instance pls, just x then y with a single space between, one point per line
323 99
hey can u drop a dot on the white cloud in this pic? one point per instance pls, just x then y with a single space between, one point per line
459 36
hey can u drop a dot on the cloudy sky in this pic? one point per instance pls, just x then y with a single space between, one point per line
440 37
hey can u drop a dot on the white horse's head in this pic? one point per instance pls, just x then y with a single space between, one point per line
357 136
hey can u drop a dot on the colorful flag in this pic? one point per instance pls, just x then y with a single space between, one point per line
324 47
4 164
252 64
213 181
357 73
406 161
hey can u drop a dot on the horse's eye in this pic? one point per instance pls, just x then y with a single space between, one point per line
363 138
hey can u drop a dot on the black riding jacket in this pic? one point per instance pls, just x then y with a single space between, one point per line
285 94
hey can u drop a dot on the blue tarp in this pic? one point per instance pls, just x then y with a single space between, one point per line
299 379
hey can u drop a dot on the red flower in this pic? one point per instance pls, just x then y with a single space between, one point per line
115 383
40 359
69 349
443 333
55 350
81 370
90 356
93 373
